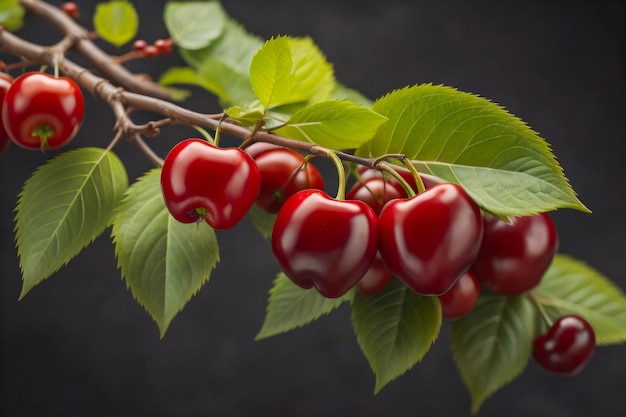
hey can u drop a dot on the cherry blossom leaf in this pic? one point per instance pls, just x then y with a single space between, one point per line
395 329
116 21
194 24
63 207
290 307
333 124
492 343
506 167
572 287
164 262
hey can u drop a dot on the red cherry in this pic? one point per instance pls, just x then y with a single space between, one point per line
164 46
324 243
5 83
513 257
139 45
460 299
71 9
41 111
150 51
201 181
566 347
376 278
430 240
282 175
376 191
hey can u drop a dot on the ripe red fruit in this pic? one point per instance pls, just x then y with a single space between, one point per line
5 83
430 240
150 51
71 9
139 45
202 182
324 243
282 175
460 299
376 278
41 111
164 46
566 347
513 257
376 191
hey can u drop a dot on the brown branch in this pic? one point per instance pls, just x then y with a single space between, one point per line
86 48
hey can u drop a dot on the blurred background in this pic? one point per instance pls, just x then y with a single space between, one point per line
79 344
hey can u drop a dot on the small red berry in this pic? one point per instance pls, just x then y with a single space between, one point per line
150 51
139 45
164 46
71 9
460 299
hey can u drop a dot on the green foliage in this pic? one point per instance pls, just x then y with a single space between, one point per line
333 124
63 207
116 21
290 307
262 221
504 165
163 261
395 329
194 25
572 287
11 14
222 66
492 344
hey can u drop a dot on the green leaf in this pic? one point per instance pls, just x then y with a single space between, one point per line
492 344
270 72
194 25
291 307
262 220
11 14
291 70
63 207
116 21
572 287
246 116
163 261
341 92
313 75
223 66
333 124
395 329
503 164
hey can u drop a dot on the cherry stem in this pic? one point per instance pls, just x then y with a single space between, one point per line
205 134
341 173
416 176
537 302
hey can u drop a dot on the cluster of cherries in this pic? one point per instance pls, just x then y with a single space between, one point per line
39 111
437 242
158 47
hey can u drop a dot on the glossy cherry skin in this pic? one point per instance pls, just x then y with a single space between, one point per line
375 192
282 175
197 175
460 299
566 347
39 103
5 83
324 243
513 257
376 278
429 241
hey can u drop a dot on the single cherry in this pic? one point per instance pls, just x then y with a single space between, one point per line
324 243
40 111
460 299
566 347
429 241
139 45
376 278
514 256
202 182
283 173
71 9
164 46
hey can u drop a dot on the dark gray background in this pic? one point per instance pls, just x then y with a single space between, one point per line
79 344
